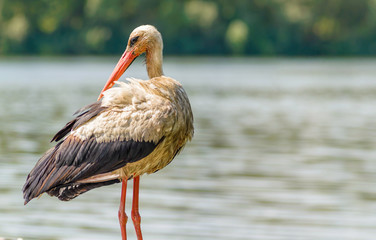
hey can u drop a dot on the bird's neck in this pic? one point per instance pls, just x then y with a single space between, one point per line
154 61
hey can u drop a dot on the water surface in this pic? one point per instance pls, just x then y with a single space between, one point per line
283 149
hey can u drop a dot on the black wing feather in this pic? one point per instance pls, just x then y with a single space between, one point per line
70 162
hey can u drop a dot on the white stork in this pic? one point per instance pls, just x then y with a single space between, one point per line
136 128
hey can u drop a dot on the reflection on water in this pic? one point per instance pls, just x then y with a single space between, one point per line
284 149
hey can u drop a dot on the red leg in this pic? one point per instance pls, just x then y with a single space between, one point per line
122 215
135 214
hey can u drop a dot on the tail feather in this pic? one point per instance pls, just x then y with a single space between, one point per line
69 191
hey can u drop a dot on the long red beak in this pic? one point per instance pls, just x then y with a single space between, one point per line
124 62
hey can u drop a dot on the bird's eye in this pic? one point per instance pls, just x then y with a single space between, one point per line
133 41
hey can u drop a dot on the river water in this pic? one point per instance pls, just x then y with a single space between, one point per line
283 149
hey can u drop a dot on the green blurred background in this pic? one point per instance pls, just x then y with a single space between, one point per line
190 27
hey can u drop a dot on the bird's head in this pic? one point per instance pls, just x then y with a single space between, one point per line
143 39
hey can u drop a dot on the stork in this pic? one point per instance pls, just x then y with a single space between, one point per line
135 128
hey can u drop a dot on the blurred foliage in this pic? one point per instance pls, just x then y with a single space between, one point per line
242 27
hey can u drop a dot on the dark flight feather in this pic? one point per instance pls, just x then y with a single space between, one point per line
72 160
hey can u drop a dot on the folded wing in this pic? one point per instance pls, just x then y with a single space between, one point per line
101 139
